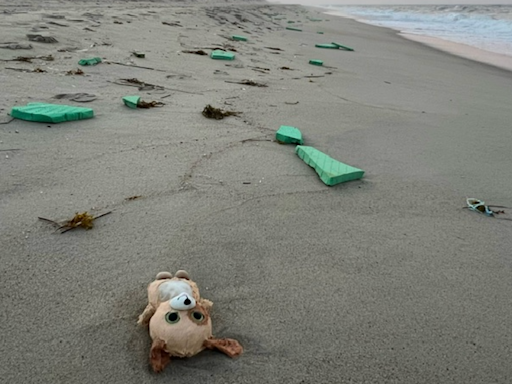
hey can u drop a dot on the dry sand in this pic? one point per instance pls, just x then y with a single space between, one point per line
383 280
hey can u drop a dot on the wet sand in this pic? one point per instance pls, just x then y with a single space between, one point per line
382 280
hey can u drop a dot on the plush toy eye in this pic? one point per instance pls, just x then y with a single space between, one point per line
172 317
197 316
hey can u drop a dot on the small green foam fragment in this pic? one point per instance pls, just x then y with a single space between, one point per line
290 135
290 22
239 38
320 32
51 113
221 55
316 62
327 46
343 47
131 101
331 171
90 61
294 29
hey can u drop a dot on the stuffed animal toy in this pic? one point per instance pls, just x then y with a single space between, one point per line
179 321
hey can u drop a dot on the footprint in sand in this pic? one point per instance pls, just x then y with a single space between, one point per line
16 46
42 39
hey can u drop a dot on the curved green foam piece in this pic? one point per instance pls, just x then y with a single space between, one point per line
294 29
290 135
328 46
131 101
239 38
343 47
90 61
316 62
51 113
331 171
221 55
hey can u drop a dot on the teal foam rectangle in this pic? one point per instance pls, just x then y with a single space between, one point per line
330 171
51 113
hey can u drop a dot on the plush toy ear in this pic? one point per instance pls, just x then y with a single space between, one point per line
158 357
230 347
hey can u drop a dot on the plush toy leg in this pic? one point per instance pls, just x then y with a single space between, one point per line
182 274
163 275
158 357
230 347
146 315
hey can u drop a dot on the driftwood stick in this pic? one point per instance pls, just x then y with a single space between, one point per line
135 66
49 221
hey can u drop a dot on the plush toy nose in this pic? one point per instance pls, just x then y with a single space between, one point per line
182 302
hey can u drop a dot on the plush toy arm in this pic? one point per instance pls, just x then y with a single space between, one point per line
146 315
230 347
158 357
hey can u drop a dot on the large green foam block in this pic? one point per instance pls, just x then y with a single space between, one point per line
51 113
343 47
331 171
239 38
131 101
290 135
222 55
327 46
90 61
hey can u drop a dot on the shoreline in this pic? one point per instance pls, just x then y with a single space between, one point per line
458 49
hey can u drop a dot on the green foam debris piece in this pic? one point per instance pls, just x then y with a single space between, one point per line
131 101
290 135
331 171
343 47
239 38
320 33
294 29
221 55
290 21
328 46
316 62
90 61
51 113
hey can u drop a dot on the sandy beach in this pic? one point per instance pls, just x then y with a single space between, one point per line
382 280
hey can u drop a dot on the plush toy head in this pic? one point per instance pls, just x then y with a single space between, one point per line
179 321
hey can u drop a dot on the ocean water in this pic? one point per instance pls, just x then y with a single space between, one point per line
487 27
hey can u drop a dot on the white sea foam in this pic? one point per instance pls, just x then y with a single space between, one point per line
487 27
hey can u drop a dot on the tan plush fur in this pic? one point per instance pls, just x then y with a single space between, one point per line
180 332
